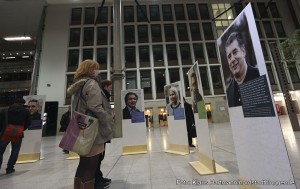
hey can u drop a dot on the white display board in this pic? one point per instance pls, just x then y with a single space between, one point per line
31 144
177 133
259 144
133 123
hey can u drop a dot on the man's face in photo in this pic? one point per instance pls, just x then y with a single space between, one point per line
194 84
236 58
33 107
132 100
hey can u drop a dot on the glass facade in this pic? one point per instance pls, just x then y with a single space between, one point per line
176 36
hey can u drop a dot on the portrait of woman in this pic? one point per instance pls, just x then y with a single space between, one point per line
174 100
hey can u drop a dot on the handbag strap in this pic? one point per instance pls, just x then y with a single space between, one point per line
80 95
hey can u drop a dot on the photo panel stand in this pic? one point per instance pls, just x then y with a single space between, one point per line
134 130
31 145
257 134
72 155
177 130
206 164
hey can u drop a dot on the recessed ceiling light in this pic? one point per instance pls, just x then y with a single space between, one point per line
20 38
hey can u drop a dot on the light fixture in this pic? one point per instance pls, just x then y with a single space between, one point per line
20 38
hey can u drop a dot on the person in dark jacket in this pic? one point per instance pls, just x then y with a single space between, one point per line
100 181
190 122
64 122
17 115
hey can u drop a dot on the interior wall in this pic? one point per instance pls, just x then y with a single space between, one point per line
53 62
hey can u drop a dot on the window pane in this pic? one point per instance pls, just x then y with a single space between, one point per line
88 38
198 53
186 82
129 34
172 55
185 54
131 80
73 60
259 30
195 31
111 35
160 82
102 15
212 53
262 10
128 14
179 12
76 16
174 75
167 12
182 32
217 80
270 74
208 33
238 8
268 29
253 10
102 36
68 84
87 54
204 80
280 29
158 56
130 57
192 11
274 10
293 72
169 32
74 37
156 33
89 15
143 33
102 58
141 13
111 57
144 56
146 84
204 12
154 13
264 49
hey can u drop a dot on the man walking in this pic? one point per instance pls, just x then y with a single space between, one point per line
17 115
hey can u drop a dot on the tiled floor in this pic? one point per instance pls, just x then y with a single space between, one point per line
155 170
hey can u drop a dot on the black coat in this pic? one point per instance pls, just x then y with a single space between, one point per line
17 115
233 90
190 120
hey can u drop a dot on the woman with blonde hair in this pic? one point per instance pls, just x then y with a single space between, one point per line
174 100
87 96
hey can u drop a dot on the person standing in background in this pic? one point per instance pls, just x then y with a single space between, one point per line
100 181
64 122
190 122
17 114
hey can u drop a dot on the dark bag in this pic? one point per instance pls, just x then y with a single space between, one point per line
11 133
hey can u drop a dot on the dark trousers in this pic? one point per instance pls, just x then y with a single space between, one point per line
98 173
13 155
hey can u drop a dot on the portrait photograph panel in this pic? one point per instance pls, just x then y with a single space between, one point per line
133 105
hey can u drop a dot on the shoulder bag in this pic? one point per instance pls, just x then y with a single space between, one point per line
81 132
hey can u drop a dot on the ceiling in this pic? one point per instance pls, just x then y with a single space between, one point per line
22 17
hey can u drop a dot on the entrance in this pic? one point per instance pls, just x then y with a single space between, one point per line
149 117
162 117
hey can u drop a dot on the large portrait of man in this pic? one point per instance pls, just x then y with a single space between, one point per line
133 105
238 59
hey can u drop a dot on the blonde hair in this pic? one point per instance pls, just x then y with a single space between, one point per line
84 68
175 90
